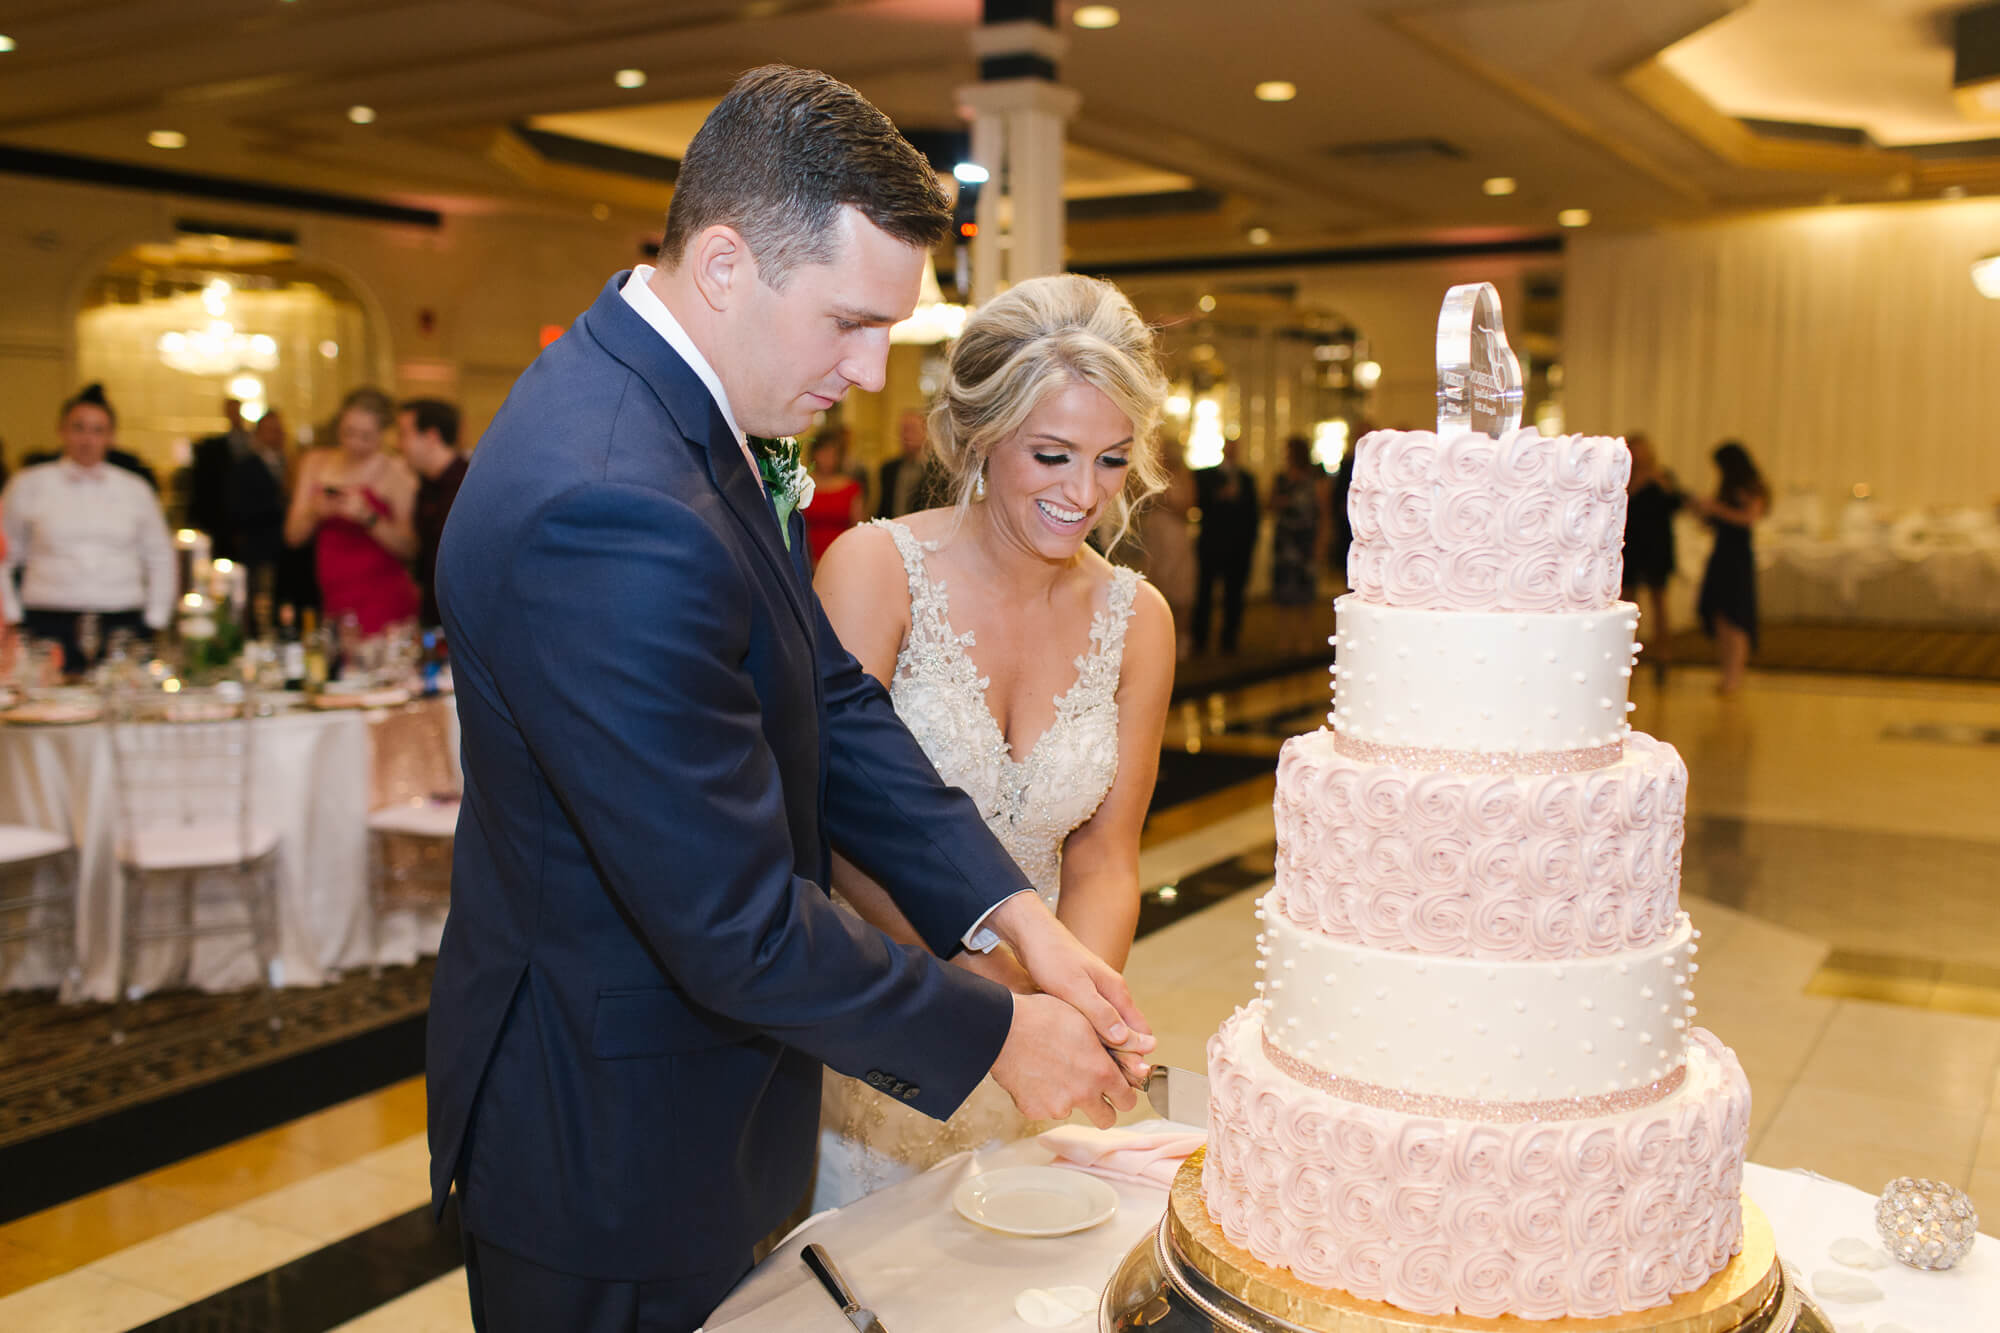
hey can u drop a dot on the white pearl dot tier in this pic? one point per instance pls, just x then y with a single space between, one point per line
1482 681
1478 1029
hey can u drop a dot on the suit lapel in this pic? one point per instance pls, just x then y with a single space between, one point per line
621 331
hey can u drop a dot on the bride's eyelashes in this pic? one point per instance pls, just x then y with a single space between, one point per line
1062 460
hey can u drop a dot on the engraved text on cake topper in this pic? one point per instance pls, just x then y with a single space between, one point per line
1479 381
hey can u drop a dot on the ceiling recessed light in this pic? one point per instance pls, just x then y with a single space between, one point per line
6 43
1258 236
1207 303
1498 185
630 78
1095 16
602 212
1574 217
1276 90
361 115
167 139
971 173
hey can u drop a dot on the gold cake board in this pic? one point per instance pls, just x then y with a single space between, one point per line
1729 1300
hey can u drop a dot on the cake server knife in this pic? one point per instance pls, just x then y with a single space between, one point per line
1178 1094
860 1316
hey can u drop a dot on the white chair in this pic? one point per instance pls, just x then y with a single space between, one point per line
410 842
30 907
184 809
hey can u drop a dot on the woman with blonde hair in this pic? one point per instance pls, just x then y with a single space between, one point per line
1034 673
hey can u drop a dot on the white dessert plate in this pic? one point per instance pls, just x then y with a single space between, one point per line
1035 1200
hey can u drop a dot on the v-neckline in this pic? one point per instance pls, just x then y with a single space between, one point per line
985 682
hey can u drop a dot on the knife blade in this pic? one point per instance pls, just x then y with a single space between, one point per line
1178 1094
821 1264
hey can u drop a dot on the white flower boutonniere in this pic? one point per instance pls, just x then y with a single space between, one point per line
786 480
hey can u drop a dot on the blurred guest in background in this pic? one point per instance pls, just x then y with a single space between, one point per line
838 502
211 475
1652 499
1341 530
255 501
358 500
1298 544
428 429
909 481
1229 516
115 456
1168 544
88 539
1728 604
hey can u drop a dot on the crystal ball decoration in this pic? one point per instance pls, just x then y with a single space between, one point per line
1925 1223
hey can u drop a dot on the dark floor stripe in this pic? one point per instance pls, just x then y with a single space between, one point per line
330 1286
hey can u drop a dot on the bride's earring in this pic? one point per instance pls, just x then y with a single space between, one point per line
979 485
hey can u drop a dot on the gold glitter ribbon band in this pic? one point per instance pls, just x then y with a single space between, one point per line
1477 761
1466 1108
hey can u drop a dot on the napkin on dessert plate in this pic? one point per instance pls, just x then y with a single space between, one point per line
1152 1151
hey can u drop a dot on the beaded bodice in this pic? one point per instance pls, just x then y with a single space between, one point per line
1031 803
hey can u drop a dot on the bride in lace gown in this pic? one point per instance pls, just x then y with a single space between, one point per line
1033 672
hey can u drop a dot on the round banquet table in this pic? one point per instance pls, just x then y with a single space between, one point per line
315 775
910 1258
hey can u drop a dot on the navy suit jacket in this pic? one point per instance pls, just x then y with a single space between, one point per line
642 974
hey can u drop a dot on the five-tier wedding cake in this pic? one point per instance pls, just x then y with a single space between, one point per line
1470 1082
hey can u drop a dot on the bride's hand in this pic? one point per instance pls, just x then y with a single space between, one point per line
999 966
1059 965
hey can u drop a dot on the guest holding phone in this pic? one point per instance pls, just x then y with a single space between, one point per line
359 501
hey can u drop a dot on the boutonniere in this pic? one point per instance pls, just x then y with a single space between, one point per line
786 480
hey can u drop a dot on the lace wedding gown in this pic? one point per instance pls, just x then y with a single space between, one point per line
868 1140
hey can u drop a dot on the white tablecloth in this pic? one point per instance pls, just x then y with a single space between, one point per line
316 776
920 1266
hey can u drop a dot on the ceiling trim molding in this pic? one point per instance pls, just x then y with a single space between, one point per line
1361 254
1549 107
156 180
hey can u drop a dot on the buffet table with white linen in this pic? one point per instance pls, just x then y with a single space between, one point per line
919 1265
315 777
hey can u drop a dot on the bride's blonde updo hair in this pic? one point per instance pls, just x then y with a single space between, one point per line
1030 341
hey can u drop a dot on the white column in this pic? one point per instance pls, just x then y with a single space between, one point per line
1017 135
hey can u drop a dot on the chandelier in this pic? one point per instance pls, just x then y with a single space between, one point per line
217 348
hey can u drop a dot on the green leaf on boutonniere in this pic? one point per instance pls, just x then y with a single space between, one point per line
786 480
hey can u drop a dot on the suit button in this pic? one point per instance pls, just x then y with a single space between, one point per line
910 1092
875 1078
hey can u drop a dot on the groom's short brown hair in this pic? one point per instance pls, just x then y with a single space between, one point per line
778 157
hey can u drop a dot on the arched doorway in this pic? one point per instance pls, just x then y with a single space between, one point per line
172 329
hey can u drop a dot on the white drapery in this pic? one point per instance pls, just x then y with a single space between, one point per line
1840 345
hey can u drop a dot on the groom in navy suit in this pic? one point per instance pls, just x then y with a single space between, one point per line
642 973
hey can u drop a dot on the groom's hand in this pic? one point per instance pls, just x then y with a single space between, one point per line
1062 967
1053 1065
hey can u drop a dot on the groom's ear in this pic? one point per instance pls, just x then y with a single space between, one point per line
720 262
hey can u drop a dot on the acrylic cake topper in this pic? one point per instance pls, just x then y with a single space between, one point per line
1479 381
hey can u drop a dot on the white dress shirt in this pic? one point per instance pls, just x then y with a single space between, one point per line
86 539
654 311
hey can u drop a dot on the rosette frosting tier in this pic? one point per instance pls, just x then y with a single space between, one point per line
1470 1082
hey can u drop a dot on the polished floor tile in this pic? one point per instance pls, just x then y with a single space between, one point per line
234 1174
439 1306
1945 1060
353 1128
206 1256
22 1267
407 1162
337 1203
90 1227
84 1301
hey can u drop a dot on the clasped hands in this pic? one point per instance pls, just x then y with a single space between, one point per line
1076 1035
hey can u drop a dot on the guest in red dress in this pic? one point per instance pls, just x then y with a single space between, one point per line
359 499
838 502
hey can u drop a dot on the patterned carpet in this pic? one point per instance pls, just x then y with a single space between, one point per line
1866 650
61 1065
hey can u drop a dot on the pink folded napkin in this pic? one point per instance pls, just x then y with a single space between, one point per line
1143 1153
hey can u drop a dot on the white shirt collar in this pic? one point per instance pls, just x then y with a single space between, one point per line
654 311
